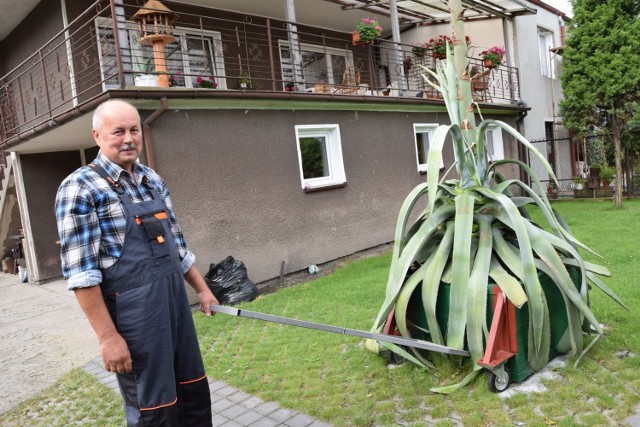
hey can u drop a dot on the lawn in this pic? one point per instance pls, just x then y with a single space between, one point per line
333 378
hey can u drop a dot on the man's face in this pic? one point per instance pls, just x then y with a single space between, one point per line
120 136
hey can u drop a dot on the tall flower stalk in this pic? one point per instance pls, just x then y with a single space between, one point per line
475 231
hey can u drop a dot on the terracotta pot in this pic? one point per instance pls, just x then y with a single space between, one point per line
10 265
489 64
439 55
355 39
477 85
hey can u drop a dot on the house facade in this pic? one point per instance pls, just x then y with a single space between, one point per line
284 143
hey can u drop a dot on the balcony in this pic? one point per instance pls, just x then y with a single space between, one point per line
216 54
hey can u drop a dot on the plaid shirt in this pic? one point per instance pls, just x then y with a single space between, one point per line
91 221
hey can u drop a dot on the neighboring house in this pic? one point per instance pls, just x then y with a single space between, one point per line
534 45
302 154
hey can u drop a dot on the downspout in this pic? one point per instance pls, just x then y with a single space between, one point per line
146 128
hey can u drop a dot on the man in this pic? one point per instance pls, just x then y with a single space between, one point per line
125 258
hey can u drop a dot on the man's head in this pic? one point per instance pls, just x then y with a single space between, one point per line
118 133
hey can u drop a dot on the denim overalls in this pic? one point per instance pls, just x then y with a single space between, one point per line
146 298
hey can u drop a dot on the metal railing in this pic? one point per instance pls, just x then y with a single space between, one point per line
214 50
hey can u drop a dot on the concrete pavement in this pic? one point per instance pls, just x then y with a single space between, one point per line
44 335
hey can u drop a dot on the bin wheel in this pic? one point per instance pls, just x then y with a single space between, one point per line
391 357
499 380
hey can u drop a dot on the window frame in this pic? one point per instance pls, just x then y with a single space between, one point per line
182 33
497 143
331 133
429 128
286 65
547 64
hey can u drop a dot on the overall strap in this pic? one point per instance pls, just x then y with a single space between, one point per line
115 185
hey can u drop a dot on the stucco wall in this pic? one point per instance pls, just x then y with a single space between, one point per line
23 41
236 187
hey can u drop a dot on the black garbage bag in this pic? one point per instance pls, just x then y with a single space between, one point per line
229 282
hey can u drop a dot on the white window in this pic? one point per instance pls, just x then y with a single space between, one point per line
319 64
320 156
424 134
191 56
545 40
493 143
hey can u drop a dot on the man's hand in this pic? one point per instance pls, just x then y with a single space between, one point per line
205 295
115 354
207 298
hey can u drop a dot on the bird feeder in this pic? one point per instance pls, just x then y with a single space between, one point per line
156 23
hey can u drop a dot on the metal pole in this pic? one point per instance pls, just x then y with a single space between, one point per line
294 44
395 35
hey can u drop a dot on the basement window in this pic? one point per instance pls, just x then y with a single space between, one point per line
493 140
424 134
320 156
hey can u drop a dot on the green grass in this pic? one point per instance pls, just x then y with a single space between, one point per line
333 378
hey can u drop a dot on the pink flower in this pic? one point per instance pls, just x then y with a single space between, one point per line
199 80
378 28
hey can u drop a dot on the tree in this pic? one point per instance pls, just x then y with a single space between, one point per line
601 71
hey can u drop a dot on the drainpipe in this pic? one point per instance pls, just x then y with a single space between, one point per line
146 128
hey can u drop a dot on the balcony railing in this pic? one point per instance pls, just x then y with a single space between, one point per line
219 50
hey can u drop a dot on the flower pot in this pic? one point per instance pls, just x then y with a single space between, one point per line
437 55
146 80
10 265
489 64
355 39
479 85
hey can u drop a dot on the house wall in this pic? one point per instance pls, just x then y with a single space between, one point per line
24 41
235 183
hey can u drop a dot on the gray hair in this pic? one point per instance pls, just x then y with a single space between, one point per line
98 114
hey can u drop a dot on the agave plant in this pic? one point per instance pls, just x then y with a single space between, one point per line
474 231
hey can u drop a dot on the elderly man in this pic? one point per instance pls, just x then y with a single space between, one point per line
125 258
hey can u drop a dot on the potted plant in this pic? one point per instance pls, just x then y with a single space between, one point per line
594 170
245 80
289 86
552 189
607 174
144 72
493 57
439 46
578 182
478 82
420 49
207 83
367 30
473 234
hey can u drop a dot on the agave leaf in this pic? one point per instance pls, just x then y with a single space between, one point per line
404 353
531 281
400 265
483 125
403 217
451 388
477 299
559 275
539 359
594 268
461 267
604 288
431 283
573 314
507 283
402 304
433 162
